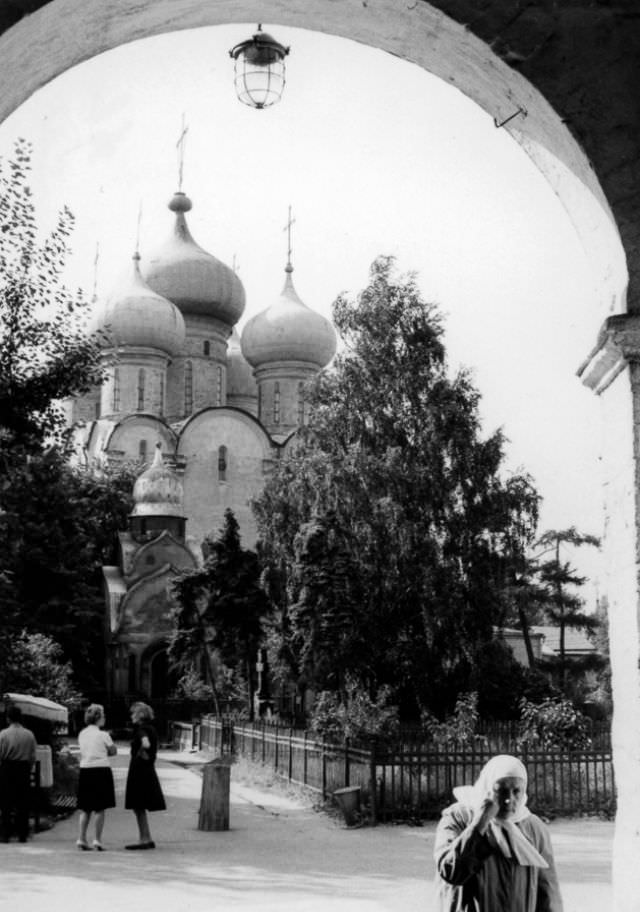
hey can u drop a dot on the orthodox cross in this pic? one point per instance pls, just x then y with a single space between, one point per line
138 230
287 228
180 147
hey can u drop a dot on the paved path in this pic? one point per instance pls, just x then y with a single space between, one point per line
277 855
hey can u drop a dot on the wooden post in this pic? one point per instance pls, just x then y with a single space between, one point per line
214 802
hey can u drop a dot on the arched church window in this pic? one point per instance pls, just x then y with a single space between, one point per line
276 404
301 402
222 463
207 348
188 388
116 390
142 450
219 386
260 402
141 379
162 394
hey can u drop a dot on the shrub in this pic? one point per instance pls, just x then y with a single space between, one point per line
354 715
553 723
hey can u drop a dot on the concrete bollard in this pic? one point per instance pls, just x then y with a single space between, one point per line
214 801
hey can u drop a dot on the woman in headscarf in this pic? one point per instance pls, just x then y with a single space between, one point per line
492 854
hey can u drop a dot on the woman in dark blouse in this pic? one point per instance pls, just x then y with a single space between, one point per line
143 792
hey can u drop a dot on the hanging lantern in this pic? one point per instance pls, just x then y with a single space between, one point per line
259 70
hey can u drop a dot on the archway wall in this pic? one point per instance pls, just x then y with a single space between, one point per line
64 33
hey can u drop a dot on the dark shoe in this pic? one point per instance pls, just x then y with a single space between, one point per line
83 846
141 845
98 846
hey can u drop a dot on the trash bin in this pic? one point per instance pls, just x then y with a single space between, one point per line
214 801
349 803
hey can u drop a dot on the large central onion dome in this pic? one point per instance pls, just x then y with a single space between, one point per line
193 279
158 491
134 315
288 330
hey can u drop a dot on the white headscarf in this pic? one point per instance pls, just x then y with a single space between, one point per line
504 834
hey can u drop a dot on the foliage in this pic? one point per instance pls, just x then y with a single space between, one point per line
36 666
500 682
45 352
353 714
58 527
191 686
394 482
459 729
552 724
219 612
564 607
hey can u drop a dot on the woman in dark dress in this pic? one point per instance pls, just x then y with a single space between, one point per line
143 792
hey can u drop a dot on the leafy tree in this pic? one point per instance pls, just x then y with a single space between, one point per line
393 475
36 666
219 611
45 352
58 527
564 606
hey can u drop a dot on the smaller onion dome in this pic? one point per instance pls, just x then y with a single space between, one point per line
158 490
193 279
288 330
136 315
240 379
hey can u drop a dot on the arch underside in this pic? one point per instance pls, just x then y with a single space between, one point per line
64 33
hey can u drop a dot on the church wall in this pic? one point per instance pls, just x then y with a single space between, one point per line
127 390
136 437
209 489
281 403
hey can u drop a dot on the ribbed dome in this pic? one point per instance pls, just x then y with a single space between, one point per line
288 330
193 279
240 379
158 491
136 315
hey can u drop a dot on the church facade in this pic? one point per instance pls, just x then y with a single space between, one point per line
204 410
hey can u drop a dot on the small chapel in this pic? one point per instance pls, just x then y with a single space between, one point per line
204 410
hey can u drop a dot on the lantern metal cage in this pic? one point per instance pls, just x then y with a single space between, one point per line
259 70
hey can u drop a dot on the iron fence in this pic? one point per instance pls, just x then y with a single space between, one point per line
405 780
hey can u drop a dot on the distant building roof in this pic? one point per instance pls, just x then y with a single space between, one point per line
576 642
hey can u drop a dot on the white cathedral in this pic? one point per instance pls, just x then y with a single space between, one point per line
217 409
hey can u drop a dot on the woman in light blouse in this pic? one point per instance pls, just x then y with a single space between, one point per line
95 785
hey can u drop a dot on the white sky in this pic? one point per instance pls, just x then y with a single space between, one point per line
375 156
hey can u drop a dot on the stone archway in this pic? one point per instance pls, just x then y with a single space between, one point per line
553 50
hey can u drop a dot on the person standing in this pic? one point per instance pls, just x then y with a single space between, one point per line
491 852
96 792
143 792
17 757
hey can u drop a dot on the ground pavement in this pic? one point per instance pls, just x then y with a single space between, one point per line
277 855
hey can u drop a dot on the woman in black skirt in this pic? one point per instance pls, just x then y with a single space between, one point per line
143 792
95 784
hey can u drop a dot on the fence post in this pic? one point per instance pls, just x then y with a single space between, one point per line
324 771
290 763
346 762
373 784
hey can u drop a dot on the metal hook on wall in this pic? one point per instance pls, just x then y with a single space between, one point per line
520 110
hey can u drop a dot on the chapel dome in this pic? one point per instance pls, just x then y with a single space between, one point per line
134 315
158 490
240 379
288 330
193 279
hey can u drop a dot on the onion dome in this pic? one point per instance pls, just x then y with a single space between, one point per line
158 490
134 315
288 330
193 279
240 380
